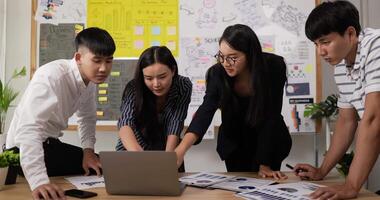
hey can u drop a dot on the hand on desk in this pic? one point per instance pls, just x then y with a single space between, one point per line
334 192
48 191
308 172
267 172
90 160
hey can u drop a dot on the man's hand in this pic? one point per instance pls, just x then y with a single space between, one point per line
48 191
334 192
308 172
90 160
267 172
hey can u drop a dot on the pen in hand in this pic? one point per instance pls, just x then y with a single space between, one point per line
292 168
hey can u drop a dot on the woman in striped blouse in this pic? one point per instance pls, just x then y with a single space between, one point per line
154 104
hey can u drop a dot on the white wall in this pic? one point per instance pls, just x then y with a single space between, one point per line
202 157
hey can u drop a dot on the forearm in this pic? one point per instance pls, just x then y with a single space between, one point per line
366 153
188 140
171 142
341 140
128 139
33 164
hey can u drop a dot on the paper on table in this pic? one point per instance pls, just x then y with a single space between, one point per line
204 179
242 184
86 182
286 191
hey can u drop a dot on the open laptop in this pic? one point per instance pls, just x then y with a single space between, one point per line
141 173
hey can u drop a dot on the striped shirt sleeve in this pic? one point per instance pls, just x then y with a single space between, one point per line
372 67
179 113
127 107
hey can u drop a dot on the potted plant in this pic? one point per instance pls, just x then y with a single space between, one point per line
8 159
328 110
7 96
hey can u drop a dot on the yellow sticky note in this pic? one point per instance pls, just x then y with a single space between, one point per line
102 91
103 85
78 28
102 99
99 113
309 68
115 73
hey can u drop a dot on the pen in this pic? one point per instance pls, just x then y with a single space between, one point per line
292 168
289 166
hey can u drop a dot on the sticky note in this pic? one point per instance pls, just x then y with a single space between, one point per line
138 44
99 113
115 73
155 43
139 30
171 30
309 68
171 45
102 91
156 30
78 28
103 85
102 99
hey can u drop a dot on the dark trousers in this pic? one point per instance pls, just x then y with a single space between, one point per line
243 161
62 159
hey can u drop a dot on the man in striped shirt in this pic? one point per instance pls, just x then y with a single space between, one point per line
335 29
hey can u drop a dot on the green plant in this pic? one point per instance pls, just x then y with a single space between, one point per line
8 95
9 158
344 163
324 109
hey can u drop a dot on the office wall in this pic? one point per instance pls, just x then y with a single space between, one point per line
202 157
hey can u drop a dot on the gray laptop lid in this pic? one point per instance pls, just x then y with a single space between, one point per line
140 173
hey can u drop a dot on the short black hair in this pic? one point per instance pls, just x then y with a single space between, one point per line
330 17
97 40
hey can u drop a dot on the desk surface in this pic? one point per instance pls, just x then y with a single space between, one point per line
20 190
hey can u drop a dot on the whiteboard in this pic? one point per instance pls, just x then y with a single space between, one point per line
279 25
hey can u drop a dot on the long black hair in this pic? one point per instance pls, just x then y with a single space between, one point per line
145 100
242 38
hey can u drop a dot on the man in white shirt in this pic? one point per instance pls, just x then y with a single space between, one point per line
57 91
355 54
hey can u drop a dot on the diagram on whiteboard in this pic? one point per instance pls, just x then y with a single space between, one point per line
280 28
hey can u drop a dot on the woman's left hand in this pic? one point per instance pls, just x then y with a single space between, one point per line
267 172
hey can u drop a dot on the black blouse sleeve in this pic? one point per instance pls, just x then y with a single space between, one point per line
274 141
203 116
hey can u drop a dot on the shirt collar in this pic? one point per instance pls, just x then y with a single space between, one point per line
77 75
353 70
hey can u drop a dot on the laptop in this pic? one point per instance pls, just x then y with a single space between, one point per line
141 173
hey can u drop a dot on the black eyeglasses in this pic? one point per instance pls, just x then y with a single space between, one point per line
230 60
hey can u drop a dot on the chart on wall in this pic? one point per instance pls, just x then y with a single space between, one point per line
136 25
57 41
280 28
110 93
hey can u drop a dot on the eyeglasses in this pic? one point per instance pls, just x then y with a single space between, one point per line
230 60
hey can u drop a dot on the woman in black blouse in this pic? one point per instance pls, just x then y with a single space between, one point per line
154 104
247 85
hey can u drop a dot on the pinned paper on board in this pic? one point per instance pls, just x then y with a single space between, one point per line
297 89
